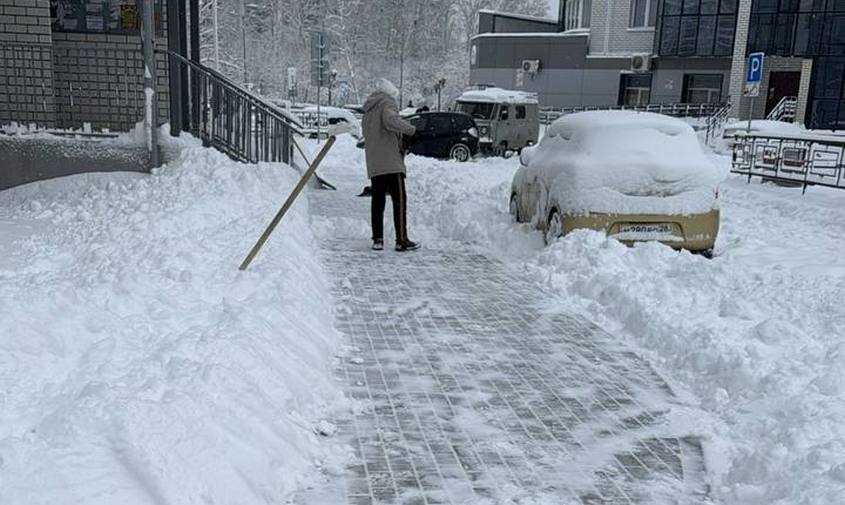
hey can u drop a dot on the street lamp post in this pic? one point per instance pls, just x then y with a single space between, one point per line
438 86
405 35
243 37
332 79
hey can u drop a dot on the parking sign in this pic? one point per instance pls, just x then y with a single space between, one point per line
753 74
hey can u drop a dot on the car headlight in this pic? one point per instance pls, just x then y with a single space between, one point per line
473 132
484 130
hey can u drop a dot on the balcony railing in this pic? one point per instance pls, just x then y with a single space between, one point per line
805 160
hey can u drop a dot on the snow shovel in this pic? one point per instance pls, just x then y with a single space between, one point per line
333 133
324 184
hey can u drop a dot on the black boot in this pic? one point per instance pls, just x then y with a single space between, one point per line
406 245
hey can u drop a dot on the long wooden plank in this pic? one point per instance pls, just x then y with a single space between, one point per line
288 203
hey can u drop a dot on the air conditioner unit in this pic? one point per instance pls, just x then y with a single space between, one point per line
640 62
531 66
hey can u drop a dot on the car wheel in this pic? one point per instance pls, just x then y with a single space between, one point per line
513 207
554 227
501 149
460 152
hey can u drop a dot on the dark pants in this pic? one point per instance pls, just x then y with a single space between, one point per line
394 185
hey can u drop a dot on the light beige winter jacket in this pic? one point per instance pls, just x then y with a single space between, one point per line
383 130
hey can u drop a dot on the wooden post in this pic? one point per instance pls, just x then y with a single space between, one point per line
288 203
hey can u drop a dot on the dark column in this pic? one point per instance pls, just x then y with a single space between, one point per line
195 57
183 50
174 27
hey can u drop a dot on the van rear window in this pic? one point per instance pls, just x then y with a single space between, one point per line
520 112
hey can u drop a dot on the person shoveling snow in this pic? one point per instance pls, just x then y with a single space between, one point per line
383 130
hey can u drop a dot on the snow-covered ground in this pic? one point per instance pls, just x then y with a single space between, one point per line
137 364
757 334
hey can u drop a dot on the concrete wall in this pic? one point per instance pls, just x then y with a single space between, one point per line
562 87
553 51
26 62
568 78
25 159
616 38
668 81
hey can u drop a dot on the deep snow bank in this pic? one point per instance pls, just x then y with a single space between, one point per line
757 333
137 364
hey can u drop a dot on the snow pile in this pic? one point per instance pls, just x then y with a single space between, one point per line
498 95
137 364
624 162
756 334
765 127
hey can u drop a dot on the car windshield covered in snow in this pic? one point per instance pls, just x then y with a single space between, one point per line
477 110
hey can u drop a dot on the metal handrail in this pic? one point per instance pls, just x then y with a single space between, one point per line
784 110
796 159
233 120
715 124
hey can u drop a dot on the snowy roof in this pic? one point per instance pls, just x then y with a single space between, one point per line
518 16
498 95
570 33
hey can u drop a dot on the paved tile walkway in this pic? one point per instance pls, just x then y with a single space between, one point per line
469 393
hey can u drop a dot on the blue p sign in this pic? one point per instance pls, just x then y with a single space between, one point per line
755 68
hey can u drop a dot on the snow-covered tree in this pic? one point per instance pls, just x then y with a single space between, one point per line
412 42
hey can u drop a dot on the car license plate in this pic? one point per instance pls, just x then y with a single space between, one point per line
651 229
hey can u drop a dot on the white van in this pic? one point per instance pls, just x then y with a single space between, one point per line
507 120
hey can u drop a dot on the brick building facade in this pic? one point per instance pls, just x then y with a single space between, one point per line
86 70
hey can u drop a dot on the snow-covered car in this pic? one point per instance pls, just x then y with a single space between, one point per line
637 176
328 116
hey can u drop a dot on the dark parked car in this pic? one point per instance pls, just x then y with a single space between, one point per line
443 135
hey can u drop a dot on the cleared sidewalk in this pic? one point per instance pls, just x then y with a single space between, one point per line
470 388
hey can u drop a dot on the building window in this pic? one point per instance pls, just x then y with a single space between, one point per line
634 89
99 16
577 14
702 88
797 27
696 28
643 13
